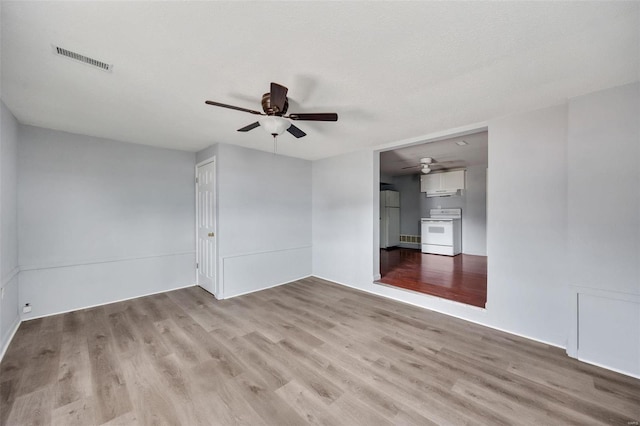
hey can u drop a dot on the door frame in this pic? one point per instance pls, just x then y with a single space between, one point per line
218 292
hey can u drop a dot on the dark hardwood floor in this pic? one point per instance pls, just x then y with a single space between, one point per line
462 278
308 352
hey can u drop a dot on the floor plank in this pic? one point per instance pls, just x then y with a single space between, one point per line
462 278
309 352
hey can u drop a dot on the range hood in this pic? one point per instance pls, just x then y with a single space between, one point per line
443 192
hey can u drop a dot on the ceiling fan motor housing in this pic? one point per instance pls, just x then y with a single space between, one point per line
273 110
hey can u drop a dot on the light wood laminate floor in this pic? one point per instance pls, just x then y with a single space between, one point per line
309 352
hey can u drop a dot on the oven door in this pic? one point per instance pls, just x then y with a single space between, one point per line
437 232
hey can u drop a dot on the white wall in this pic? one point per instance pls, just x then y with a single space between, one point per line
604 182
343 219
206 153
527 224
9 317
264 218
604 226
525 297
541 182
473 203
100 220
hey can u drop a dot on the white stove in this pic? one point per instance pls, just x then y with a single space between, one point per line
442 232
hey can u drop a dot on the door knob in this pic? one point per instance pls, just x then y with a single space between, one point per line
212 234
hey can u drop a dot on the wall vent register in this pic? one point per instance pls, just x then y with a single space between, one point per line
82 58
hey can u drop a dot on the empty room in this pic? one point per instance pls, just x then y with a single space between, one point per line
322 212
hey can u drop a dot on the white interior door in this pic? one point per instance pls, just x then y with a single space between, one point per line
205 227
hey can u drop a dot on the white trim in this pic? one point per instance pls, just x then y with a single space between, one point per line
626 373
252 253
431 137
430 296
574 326
113 301
608 294
203 162
4 348
69 263
435 136
268 287
447 313
6 280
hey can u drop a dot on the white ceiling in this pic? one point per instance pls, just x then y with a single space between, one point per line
446 153
391 70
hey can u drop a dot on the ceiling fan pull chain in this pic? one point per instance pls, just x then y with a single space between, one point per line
275 144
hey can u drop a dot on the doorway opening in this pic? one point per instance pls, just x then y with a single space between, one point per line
433 218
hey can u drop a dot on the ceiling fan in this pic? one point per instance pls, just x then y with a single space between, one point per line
428 164
275 105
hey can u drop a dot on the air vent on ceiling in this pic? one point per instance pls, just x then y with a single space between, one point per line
81 58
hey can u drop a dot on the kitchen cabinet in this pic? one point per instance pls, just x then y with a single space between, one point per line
452 180
444 183
430 182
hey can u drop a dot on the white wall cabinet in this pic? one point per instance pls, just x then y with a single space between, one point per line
430 182
445 181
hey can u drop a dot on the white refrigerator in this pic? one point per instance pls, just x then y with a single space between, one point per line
389 219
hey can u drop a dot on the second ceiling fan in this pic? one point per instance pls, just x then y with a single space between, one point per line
274 106
427 165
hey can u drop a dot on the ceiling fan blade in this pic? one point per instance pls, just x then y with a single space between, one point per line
249 127
233 107
278 96
296 132
411 167
318 116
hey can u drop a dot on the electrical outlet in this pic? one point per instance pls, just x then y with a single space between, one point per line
26 308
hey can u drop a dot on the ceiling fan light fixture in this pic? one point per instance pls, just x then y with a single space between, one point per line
274 125
426 169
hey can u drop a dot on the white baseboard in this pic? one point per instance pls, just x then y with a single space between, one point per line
475 308
267 287
246 273
626 373
16 324
53 291
109 303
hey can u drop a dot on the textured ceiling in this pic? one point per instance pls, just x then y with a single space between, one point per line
391 70
445 153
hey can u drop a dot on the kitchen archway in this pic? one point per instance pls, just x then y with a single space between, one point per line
433 217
